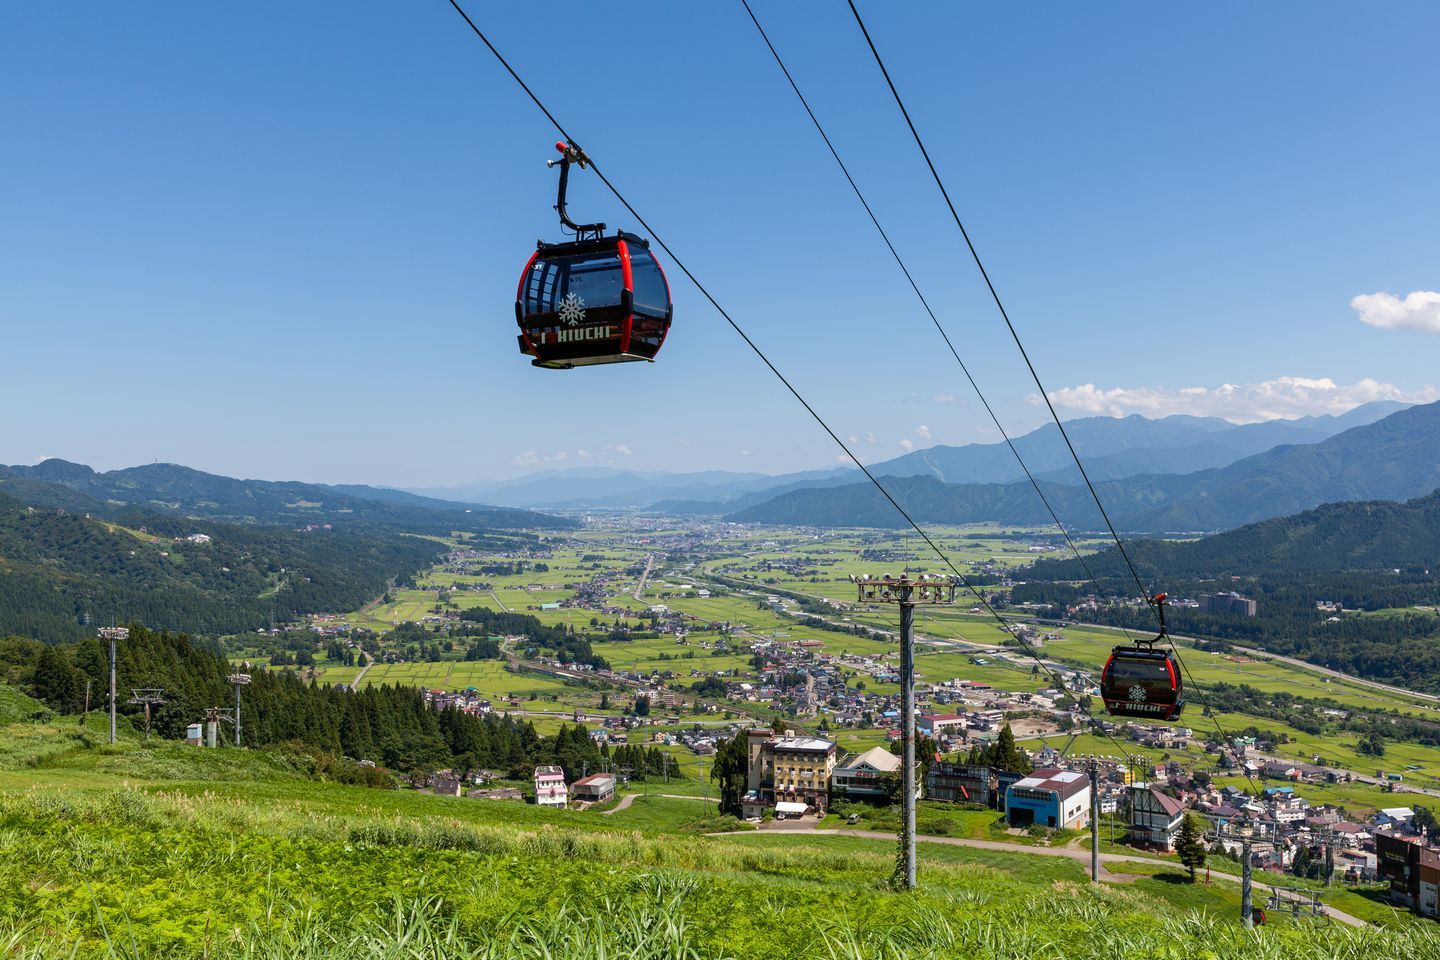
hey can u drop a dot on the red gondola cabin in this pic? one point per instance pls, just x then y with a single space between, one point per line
591 301
1140 682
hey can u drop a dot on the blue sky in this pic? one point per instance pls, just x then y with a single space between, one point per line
281 240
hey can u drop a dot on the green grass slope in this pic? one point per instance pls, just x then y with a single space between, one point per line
175 852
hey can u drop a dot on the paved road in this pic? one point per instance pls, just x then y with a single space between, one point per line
355 684
1079 855
629 798
624 804
644 577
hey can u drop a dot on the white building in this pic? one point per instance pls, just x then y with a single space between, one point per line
550 788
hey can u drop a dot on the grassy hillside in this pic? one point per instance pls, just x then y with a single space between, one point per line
177 852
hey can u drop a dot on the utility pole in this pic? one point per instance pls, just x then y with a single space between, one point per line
113 634
906 591
238 680
148 697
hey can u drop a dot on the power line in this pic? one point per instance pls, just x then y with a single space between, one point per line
944 335
995 295
595 168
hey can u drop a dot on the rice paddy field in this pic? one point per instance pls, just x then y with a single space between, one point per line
744 569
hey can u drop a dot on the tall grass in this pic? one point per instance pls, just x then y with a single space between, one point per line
124 874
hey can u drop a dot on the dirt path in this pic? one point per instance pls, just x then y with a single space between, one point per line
1081 856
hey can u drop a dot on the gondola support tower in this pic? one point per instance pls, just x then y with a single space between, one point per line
238 680
907 592
113 635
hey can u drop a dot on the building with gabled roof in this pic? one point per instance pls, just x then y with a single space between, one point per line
1155 817
864 776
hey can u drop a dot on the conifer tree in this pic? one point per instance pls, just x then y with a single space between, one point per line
1189 846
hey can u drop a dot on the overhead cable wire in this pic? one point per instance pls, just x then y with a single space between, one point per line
754 347
995 295
1015 335
944 334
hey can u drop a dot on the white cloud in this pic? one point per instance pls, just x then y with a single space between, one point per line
744 452
531 458
870 438
907 445
854 439
1419 310
1285 397
923 432
622 449
583 454
945 398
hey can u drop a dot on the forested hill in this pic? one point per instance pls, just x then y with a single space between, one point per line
1375 535
1394 458
56 567
1370 556
181 491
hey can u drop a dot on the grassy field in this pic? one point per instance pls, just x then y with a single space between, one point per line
130 866
120 851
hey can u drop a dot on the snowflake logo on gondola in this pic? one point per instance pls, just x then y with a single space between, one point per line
1137 694
572 308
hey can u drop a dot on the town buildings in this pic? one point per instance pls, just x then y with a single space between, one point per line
1227 603
1413 868
596 788
968 783
550 788
788 769
1155 818
1049 797
864 776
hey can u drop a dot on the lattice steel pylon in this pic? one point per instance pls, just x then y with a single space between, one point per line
907 591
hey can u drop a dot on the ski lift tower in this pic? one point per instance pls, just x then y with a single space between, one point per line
1248 834
147 697
907 591
113 635
238 680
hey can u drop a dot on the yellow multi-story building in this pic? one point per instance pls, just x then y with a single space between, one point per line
788 770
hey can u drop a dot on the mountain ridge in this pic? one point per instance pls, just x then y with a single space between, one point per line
185 491
1394 458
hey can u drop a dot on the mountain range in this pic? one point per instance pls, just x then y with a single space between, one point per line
1113 448
1394 458
175 490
